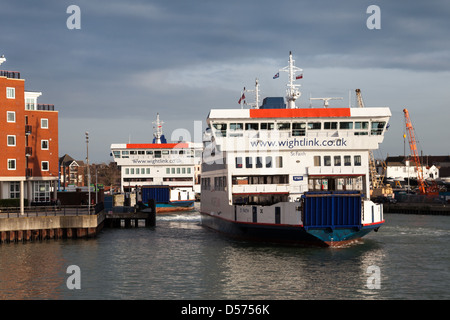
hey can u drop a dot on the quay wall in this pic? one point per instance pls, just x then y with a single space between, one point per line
417 208
48 227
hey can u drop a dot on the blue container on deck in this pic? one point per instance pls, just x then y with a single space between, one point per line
332 210
159 194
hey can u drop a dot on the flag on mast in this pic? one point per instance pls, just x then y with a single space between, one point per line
242 97
299 77
276 76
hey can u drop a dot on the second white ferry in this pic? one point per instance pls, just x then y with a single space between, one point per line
167 173
279 173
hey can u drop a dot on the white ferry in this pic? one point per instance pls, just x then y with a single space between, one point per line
280 173
168 173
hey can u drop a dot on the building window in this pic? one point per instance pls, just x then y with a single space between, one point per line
259 162
317 161
11 164
44 144
357 160
44 165
10 93
11 141
44 123
14 190
347 161
10 116
279 162
238 162
268 162
248 162
337 161
30 104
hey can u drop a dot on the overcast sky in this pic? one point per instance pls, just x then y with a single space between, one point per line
132 59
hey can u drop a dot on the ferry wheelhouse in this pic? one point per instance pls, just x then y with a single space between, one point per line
280 173
168 173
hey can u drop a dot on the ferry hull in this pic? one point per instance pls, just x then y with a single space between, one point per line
175 206
287 234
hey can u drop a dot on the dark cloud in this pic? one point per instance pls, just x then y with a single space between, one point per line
132 59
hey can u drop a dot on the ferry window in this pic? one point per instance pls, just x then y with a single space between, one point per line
259 162
248 162
327 161
377 127
347 161
238 162
251 126
132 152
362 125
173 151
279 162
220 128
268 162
165 152
173 170
178 170
236 126
298 128
330 125
167 170
357 160
132 170
267 126
127 171
149 152
317 161
181 152
157 154
125 153
345 125
141 152
337 161
116 154
314 125
283 126
188 170
147 170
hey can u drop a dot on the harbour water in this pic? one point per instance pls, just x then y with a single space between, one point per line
180 260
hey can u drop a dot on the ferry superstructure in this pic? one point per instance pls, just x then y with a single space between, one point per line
288 174
169 173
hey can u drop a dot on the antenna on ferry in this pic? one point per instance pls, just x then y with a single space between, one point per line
158 129
325 100
292 93
256 91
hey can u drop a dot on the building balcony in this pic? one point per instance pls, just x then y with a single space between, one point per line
45 107
28 151
10 74
28 129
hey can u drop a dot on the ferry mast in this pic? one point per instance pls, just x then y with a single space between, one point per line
158 129
292 92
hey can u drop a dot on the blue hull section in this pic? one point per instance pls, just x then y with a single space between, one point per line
297 235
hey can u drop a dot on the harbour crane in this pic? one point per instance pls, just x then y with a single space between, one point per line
378 188
424 187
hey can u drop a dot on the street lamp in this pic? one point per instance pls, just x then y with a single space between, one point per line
88 172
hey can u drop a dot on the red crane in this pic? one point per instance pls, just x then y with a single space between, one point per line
424 188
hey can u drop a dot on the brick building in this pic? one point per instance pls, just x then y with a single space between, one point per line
28 143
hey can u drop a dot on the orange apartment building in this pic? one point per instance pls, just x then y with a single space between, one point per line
28 143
